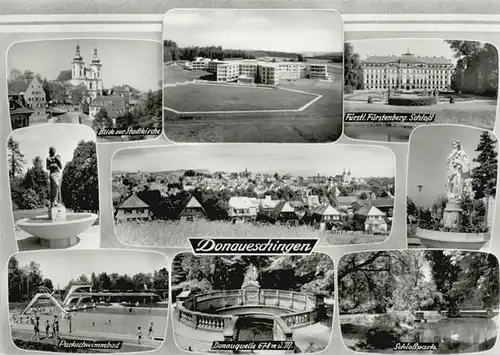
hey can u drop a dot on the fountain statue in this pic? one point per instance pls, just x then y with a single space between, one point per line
251 277
59 229
54 166
458 185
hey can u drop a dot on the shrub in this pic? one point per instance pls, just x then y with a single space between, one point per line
412 101
386 330
452 100
348 89
370 100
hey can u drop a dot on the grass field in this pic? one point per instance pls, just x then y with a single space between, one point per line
475 113
209 97
320 122
176 234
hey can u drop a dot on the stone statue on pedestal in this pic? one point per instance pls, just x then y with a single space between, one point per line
54 166
458 184
458 169
251 277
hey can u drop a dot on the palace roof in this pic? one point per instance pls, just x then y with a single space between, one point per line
406 58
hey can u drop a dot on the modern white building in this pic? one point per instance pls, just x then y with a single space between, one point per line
319 71
269 72
407 72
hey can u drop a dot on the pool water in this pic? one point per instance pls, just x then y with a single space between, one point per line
69 217
122 321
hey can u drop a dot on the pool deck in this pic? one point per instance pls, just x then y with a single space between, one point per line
25 332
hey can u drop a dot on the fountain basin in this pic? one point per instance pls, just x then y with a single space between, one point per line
451 240
58 234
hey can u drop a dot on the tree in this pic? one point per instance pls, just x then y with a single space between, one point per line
142 281
14 158
15 74
34 276
48 283
445 274
364 195
477 67
79 188
55 91
79 94
353 71
160 280
37 179
484 176
102 120
15 280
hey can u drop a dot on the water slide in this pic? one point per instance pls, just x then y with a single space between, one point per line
47 295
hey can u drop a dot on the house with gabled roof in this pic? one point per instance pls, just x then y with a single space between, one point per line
345 202
326 213
267 204
192 210
284 213
242 209
385 205
133 209
374 220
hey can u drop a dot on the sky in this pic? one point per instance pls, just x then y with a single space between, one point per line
429 148
132 62
36 141
296 159
419 47
61 267
277 30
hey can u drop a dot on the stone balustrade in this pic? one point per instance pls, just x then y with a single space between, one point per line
201 311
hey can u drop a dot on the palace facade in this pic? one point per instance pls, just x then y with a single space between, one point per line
407 72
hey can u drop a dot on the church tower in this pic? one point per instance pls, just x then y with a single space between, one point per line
77 68
95 76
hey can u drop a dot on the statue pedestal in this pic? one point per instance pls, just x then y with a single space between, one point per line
452 214
57 213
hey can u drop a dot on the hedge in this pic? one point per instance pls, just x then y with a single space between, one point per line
412 101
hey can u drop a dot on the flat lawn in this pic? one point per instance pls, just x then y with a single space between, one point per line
173 74
320 122
213 97
357 238
176 233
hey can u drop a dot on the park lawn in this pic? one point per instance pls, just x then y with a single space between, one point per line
173 74
358 238
480 114
320 122
176 233
256 131
215 97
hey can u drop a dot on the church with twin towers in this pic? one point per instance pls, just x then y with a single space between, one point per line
90 76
